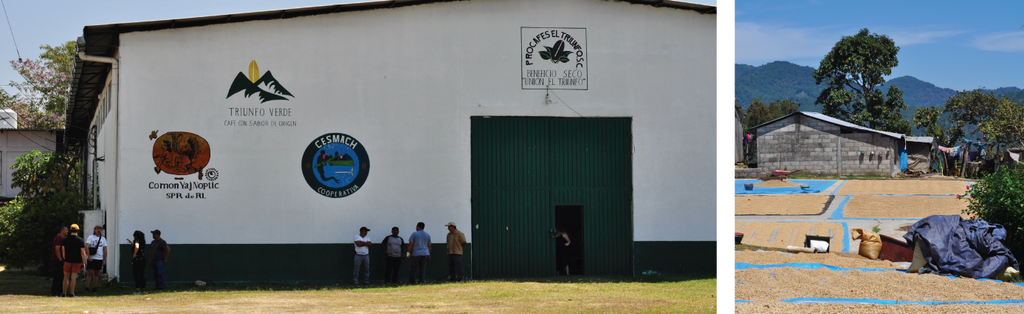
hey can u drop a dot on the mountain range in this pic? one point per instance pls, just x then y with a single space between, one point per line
781 80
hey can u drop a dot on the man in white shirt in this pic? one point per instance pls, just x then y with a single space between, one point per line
96 246
362 259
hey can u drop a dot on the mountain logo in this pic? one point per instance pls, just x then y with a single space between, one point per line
255 83
335 165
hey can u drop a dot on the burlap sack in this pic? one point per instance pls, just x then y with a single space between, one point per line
870 242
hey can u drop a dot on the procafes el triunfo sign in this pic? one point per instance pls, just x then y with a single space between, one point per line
554 58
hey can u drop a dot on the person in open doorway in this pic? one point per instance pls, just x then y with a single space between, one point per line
73 252
419 252
57 262
158 258
456 239
562 250
394 249
96 244
361 263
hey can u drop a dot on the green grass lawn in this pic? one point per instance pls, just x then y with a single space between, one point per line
26 291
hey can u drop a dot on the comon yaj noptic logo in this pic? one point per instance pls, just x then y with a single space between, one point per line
255 83
335 165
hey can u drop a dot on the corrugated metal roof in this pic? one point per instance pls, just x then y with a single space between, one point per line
822 117
920 139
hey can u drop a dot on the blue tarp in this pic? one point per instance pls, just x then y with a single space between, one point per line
957 247
816 186
742 266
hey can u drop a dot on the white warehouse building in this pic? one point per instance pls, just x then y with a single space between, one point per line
249 137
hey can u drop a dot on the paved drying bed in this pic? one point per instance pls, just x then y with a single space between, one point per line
787 282
781 204
782 234
844 260
903 187
905 207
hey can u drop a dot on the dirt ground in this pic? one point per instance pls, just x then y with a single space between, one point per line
845 260
880 206
788 282
903 187
782 234
780 204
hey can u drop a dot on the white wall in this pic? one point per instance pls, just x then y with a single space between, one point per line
405 83
13 144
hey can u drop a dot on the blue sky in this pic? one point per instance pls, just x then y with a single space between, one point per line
51 22
952 44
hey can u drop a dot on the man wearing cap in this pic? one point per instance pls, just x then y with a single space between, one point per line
57 262
158 257
73 253
394 247
456 239
362 260
419 249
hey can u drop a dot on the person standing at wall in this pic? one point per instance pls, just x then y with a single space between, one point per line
159 258
139 261
362 259
394 247
57 262
456 239
96 244
419 249
73 252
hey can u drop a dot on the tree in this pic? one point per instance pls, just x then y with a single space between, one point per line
968 109
1006 125
929 119
39 174
853 70
758 112
48 199
43 97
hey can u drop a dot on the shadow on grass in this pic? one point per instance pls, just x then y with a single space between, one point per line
29 282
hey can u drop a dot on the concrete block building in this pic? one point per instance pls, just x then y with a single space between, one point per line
818 144
274 136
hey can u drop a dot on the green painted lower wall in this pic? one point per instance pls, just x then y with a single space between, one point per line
332 263
674 258
324 263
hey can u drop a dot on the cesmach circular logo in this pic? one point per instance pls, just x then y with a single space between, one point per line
335 165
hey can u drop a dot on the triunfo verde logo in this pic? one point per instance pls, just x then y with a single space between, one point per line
335 165
265 85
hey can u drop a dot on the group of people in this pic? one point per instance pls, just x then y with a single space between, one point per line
68 256
417 251
70 253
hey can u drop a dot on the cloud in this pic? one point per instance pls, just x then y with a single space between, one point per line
908 38
1006 42
756 43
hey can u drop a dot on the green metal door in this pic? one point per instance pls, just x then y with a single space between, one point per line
523 167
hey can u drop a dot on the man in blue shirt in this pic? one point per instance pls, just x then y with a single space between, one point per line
419 249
